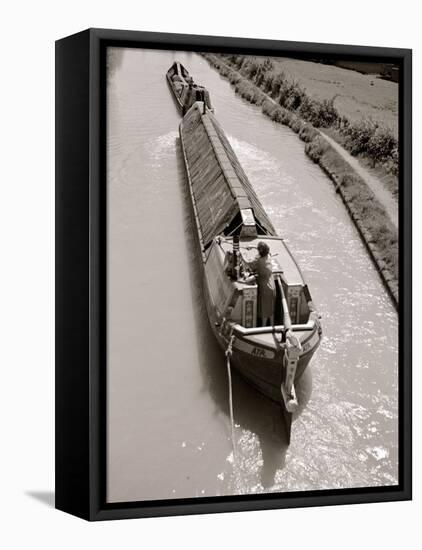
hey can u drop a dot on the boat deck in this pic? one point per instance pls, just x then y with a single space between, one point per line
281 257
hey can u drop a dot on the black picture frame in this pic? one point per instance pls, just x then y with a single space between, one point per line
81 276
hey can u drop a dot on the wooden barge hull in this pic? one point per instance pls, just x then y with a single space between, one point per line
220 192
267 376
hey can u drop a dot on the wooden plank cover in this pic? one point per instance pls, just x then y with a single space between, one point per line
219 185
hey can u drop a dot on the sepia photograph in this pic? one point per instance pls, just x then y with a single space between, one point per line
208 275
252 274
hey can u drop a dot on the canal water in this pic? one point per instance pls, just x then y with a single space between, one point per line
168 421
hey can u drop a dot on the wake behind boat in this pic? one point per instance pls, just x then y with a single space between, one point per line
230 222
185 90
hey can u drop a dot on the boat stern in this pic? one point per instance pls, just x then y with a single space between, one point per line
273 359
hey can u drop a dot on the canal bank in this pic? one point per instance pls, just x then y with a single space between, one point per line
370 215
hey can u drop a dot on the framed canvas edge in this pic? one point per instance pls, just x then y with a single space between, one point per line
98 508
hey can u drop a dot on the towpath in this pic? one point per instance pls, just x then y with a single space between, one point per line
375 184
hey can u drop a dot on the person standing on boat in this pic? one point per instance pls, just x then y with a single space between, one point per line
262 266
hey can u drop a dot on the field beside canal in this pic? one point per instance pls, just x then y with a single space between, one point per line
360 98
356 96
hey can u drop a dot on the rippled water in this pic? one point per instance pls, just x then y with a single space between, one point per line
168 420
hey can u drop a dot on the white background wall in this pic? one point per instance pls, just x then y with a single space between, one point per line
27 272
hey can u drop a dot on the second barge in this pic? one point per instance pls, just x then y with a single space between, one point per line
185 90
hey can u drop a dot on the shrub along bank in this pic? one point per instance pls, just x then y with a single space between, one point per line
304 116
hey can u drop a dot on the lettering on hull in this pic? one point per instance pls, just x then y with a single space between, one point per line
310 344
254 350
264 353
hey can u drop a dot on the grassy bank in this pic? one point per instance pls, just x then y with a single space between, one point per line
371 220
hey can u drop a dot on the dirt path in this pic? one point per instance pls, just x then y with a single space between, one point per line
377 187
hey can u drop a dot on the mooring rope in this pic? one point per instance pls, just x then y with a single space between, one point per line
229 353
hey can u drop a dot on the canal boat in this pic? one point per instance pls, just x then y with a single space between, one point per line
185 90
230 221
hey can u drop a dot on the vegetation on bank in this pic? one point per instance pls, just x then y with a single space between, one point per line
303 117
373 222
366 137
